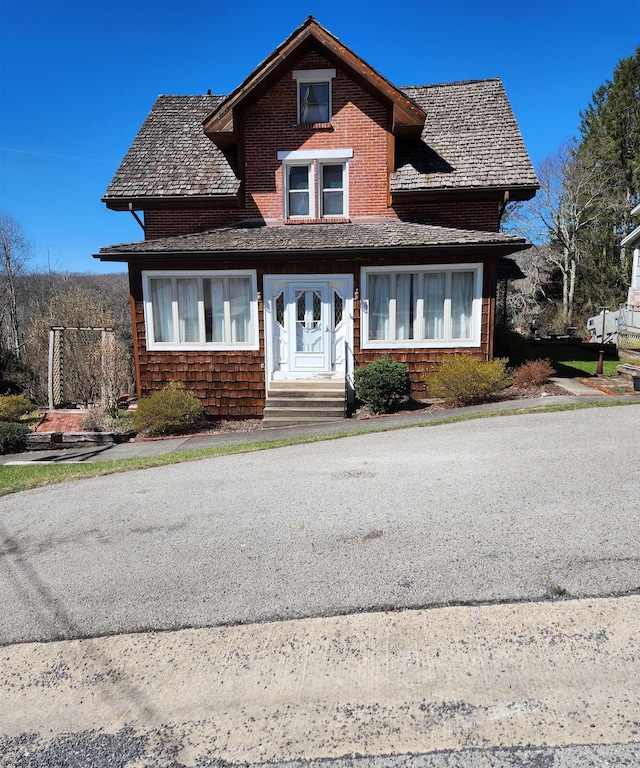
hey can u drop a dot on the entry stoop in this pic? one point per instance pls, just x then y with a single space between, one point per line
311 401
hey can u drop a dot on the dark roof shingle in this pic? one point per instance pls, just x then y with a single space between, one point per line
470 139
316 237
172 157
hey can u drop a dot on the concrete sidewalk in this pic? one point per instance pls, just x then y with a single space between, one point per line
580 393
547 674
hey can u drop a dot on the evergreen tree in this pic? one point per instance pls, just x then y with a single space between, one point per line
610 140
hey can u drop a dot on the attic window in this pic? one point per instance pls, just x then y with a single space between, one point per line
314 95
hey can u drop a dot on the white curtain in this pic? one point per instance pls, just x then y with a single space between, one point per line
314 103
405 303
378 289
461 304
161 303
240 305
214 309
188 322
434 288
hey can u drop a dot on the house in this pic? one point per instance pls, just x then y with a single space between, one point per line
629 322
312 220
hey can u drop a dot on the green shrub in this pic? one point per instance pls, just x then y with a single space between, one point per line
382 383
13 437
171 411
13 407
533 373
464 380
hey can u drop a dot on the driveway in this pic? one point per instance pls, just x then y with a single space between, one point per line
503 509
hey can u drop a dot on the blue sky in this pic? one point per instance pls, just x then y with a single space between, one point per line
78 78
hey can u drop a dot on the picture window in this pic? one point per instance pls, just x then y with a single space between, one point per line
437 307
193 311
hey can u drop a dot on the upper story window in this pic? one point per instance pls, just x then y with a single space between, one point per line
314 95
299 190
203 310
332 199
316 183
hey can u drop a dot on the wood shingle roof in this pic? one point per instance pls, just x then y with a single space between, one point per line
314 238
171 157
470 141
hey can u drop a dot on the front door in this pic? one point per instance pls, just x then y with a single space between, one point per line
309 348
308 324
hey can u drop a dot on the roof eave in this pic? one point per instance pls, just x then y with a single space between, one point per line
499 249
632 236
524 192
160 202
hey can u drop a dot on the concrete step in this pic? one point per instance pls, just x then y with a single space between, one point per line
308 385
291 421
308 401
334 412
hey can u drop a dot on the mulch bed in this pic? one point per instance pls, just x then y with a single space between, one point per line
512 393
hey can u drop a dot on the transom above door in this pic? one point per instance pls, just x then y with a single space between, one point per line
307 324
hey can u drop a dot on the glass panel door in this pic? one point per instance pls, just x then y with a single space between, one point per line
309 312
309 330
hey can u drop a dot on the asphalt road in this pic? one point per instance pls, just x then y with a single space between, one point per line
500 509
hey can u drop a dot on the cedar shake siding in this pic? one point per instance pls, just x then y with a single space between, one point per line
232 384
262 229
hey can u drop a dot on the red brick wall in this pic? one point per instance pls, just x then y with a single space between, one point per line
185 221
359 122
482 215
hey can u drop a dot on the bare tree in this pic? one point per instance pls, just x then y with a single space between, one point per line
78 307
109 365
15 250
529 297
575 189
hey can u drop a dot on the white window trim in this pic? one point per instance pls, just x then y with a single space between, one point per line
314 76
447 342
312 188
345 191
316 154
174 275
313 159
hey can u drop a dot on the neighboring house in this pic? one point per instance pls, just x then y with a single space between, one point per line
629 323
314 219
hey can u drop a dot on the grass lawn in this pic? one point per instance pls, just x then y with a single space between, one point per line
574 360
27 476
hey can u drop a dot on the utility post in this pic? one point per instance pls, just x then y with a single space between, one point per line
600 366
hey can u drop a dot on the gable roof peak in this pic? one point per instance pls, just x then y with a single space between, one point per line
220 126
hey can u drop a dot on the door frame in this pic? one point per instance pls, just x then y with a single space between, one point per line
272 285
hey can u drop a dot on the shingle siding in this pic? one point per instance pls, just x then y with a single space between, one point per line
232 384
